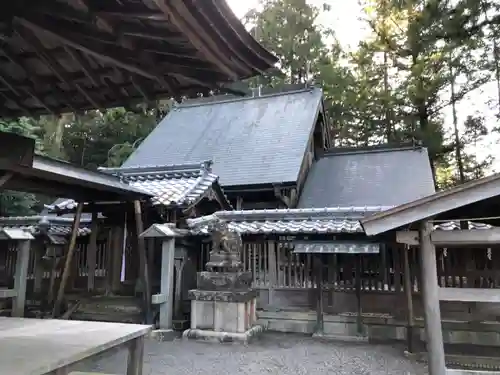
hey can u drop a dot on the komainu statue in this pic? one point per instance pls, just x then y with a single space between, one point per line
226 249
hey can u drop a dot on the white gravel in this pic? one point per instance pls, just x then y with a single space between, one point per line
274 353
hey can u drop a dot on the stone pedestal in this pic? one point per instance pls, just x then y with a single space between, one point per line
223 316
223 307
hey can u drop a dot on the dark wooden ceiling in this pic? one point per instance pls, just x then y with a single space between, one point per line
70 55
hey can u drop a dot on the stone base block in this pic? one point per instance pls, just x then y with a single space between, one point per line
223 337
219 316
344 338
164 334
470 372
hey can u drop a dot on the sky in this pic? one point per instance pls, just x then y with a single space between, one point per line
344 19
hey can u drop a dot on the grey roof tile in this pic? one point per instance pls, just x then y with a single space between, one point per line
288 221
172 185
58 226
373 176
258 140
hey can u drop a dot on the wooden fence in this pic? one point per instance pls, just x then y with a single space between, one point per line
382 277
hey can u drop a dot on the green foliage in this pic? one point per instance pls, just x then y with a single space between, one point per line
14 203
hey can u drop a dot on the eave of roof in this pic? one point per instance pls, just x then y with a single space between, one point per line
433 205
57 226
57 58
55 177
288 221
180 186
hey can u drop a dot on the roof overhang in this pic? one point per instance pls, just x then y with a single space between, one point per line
440 205
65 56
57 178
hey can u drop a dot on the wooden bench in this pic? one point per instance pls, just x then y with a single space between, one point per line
57 346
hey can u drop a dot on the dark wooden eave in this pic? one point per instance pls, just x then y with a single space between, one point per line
70 55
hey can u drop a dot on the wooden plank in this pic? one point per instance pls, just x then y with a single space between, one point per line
69 259
92 252
469 295
21 278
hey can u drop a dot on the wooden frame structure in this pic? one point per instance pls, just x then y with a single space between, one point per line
479 197
67 56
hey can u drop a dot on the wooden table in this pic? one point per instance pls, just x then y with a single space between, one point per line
39 347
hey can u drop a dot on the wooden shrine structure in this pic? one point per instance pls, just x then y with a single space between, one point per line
70 56
412 225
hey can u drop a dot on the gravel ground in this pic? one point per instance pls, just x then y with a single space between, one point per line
274 353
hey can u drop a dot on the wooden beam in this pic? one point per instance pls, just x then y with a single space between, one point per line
143 261
72 41
5 178
469 295
21 278
92 252
68 263
452 238
466 237
197 37
55 67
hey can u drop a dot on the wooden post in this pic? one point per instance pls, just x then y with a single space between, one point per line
143 263
38 252
69 261
410 337
319 286
116 259
167 282
433 333
359 317
92 253
273 273
21 278
135 357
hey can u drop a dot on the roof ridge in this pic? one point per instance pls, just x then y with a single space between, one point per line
335 151
158 169
231 99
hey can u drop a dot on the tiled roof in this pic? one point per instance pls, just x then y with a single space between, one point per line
58 227
380 175
251 140
172 185
301 221
288 221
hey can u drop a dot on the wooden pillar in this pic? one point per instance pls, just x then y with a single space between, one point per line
319 286
92 253
116 259
21 278
167 282
69 261
408 287
359 316
273 272
38 252
433 332
143 263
